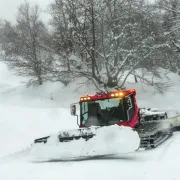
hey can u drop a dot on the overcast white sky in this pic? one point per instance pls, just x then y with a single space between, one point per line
8 8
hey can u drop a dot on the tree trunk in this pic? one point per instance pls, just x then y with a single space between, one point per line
94 37
135 79
40 81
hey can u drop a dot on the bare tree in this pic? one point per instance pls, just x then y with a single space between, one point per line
24 42
105 41
170 13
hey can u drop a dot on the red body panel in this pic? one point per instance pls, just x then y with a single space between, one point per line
134 121
107 95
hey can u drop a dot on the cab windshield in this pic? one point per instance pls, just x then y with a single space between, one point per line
102 112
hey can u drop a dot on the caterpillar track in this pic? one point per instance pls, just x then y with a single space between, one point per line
152 134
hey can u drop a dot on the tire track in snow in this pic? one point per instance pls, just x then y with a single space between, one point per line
171 149
165 149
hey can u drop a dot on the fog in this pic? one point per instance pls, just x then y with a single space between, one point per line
8 8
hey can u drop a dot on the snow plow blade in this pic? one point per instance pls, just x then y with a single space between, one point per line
88 142
70 135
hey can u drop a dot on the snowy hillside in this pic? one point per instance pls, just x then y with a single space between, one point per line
29 113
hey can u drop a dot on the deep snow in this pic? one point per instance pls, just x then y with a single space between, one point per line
29 113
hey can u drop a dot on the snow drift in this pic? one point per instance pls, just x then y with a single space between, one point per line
108 140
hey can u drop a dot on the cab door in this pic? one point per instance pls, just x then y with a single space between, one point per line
129 106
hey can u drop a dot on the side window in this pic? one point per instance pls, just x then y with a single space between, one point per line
84 112
130 106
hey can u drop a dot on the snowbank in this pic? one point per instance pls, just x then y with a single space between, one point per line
108 140
20 126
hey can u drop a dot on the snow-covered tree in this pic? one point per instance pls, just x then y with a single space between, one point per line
105 40
170 12
23 44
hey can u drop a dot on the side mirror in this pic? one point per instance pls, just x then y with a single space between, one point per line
73 110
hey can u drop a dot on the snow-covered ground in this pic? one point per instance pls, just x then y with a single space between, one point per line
162 163
29 113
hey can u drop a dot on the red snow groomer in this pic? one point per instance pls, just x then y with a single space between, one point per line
114 108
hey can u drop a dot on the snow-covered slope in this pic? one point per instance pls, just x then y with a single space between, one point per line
29 113
19 126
